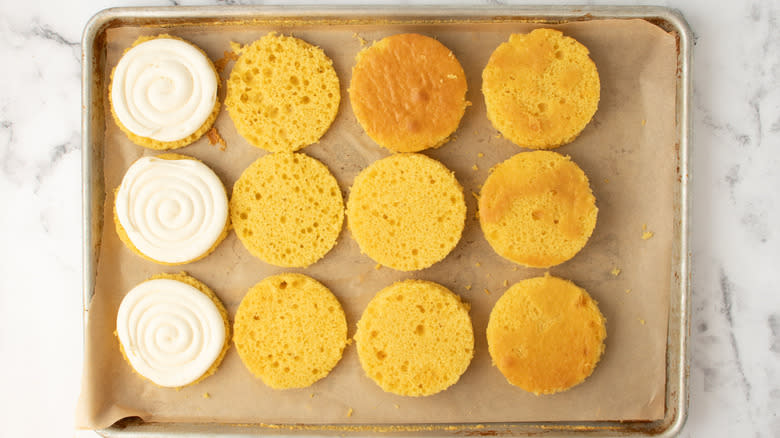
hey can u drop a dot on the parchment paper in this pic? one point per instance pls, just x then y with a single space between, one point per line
627 151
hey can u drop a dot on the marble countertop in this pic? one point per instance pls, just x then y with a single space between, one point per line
735 325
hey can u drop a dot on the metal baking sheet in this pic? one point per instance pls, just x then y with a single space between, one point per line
93 123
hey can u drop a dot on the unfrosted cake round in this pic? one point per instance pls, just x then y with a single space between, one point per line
173 330
283 93
287 209
408 91
163 92
415 338
290 331
406 211
537 209
171 209
540 89
546 335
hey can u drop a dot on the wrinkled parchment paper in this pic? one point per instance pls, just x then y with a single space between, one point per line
628 152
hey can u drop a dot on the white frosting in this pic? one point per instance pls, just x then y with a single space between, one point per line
171 332
173 211
163 89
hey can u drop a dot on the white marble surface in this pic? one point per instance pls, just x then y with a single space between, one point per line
735 327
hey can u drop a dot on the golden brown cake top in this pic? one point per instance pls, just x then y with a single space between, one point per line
546 334
537 208
540 88
408 92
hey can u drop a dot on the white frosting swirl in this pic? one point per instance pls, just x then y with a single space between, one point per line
171 332
163 89
173 211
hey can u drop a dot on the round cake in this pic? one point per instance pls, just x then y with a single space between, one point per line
546 335
415 338
171 209
287 209
540 89
173 330
283 93
163 92
537 209
406 211
290 331
408 92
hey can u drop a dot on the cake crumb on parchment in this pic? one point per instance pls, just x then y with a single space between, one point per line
645 233
215 138
362 40
227 56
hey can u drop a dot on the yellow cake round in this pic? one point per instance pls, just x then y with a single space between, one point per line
540 89
406 211
287 209
290 331
283 93
546 335
408 91
163 92
173 330
415 338
537 209
176 209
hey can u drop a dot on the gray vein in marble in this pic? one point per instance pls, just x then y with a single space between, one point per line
755 107
726 290
733 178
755 12
47 33
9 159
727 128
774 330
57 154
775 126
756 223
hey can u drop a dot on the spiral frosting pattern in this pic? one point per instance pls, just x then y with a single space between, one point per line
171 332
164 89
173 211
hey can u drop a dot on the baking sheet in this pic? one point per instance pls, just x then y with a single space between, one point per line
628 151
